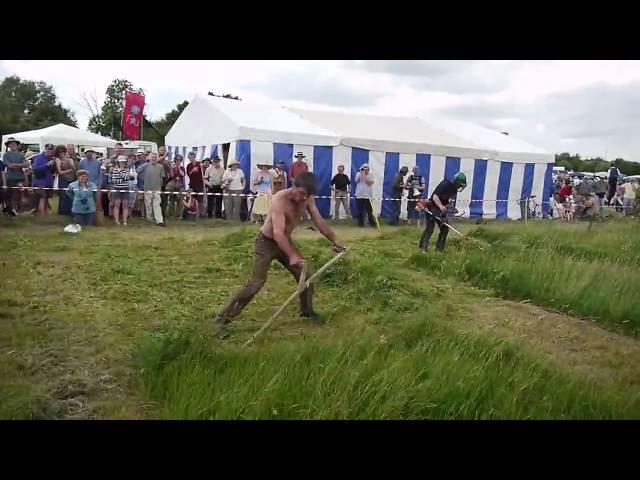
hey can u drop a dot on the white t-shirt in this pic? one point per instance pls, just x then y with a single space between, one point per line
235 177
629 190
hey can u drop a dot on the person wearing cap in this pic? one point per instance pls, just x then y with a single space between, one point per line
436 210
43 167
153 175
397 188
279 177
364 193
66 170
233 182
298 166
120 177
83 196
261 183
92 166
14 162
213 182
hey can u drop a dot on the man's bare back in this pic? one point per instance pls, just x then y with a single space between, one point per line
274 243
282 204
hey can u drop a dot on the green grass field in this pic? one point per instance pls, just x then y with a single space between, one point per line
115 323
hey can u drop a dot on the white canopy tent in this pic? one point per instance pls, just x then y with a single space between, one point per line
411 135
214 121
60 134
500 170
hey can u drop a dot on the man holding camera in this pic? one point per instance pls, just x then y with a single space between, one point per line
43 167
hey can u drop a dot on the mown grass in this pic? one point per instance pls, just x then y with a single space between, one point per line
593 275
115 323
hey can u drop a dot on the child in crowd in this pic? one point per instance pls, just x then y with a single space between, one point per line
190 210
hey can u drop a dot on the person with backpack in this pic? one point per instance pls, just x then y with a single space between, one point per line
612 178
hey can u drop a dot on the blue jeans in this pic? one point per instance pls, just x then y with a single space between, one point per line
85 218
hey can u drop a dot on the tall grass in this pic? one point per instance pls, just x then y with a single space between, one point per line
574 272
421 372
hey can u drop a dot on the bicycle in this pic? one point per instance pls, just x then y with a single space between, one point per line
529 212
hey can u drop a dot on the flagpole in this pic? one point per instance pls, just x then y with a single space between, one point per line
142 118
124 96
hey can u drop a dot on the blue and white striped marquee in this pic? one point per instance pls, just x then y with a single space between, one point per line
494 186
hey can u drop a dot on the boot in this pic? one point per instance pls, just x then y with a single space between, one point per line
314 317
221 328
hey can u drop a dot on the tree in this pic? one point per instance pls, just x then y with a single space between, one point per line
28 105
89 102
109 121
597 164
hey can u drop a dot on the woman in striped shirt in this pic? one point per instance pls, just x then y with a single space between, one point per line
120 177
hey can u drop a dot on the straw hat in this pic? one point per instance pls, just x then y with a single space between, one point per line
10 140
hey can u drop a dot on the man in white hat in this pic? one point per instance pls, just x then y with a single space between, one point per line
233 183
153 175
364 193
15 162
298 167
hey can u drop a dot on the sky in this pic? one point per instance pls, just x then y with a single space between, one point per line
588 107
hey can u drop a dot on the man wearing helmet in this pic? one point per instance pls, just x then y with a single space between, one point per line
437 207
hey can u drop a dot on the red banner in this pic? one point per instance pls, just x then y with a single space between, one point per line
132 116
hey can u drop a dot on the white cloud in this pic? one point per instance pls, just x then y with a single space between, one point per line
591 106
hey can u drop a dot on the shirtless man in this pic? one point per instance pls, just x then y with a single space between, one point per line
274 243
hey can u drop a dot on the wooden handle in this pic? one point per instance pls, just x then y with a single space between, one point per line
301 287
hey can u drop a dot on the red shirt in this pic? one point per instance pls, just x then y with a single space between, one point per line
194 171
177 173
565 191
192 205
296 169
